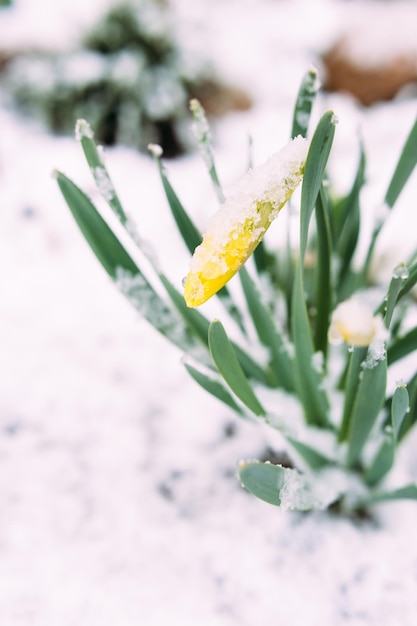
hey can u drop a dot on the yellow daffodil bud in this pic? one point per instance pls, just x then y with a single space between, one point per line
239 225
353 322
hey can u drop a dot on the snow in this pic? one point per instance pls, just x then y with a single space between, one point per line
119 500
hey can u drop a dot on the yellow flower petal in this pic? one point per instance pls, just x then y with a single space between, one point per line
239 225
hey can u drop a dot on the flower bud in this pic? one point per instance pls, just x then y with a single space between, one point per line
240 224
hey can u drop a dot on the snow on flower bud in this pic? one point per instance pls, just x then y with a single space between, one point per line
239 225
354 323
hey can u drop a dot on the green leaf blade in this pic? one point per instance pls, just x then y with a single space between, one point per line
383 461
307 378
404 168
98 169
281 363
121 267
229 367
324 287
263 480
314 170
214 388
304 103
400 406
368 403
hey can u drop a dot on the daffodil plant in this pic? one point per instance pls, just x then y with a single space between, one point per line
318 341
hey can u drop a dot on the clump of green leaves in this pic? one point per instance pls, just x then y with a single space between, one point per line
129 76
347 425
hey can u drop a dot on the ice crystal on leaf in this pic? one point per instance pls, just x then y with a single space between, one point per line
83 129
376 353
104 184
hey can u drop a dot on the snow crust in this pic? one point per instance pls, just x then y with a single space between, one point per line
119 502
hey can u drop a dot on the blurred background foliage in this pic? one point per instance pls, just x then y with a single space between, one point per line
130 76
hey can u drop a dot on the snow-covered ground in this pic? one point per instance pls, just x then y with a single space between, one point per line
118 498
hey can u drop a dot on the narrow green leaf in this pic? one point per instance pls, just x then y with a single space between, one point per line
400 406
324 287
356 357
346 227
193 318
192 236
368 402
404 168
387 306
304 103
263 480
99 236
383 460
189 232
307 378
402 346
409 282
346 217
121 267
403 171
315 166
410 418
199 325
98 169
202 135
251 368
409 492
214 387
229 367
312 457
281 363
262 258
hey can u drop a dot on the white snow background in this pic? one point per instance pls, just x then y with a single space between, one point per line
119 504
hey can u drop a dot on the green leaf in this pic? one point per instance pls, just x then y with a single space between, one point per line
402 346
202 135
409 492
400 406
281 363
214 387
121 267
410 418
287 487
304 103
403 171
307 379
189 232
404 168
263 480
99 170
346 215
383 460
409 282
229 367
312 457
193 318
356 357
199 325
323 296
251 368
192 237
387 306
315 166
346 228
368 403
